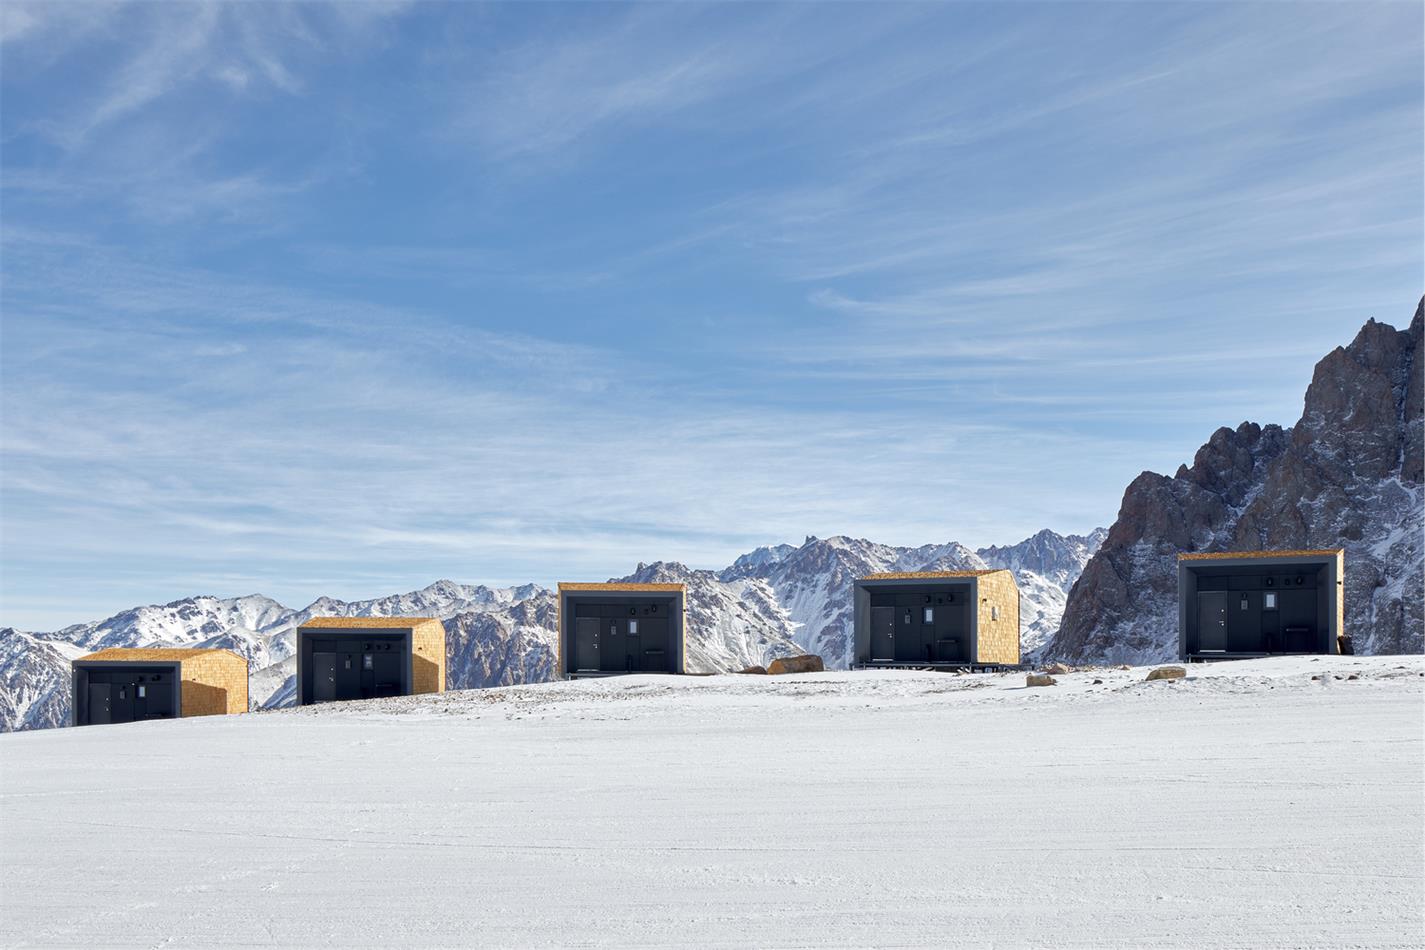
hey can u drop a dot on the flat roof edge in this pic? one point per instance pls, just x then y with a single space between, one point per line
613 587
931 575
1229 555
366 623
154 654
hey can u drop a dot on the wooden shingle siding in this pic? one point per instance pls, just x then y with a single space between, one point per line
214 684
998 618
428 657
1340 597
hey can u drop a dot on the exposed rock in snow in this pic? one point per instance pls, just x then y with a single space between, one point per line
1347 475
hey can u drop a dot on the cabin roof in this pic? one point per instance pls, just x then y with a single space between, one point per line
156 654
1224 555
366 623
929 575
614 586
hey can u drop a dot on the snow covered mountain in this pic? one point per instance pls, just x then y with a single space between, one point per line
1046 567
774 601
1347 475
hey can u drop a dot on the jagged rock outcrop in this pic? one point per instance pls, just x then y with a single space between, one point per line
1348 474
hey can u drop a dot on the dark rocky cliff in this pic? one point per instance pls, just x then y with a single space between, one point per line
1348 474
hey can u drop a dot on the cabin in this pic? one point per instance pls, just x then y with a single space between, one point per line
937 619
615 628
128 684
1261 603
342 658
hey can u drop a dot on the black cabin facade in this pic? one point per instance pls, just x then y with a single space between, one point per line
609 629
344 658
950 619
1261 603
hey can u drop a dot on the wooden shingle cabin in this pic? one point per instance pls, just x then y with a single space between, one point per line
342 658
608 629
937 619
1261 603
128 684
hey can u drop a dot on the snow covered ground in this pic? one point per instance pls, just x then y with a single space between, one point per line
1247 806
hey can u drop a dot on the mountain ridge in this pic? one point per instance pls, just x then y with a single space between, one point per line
774 601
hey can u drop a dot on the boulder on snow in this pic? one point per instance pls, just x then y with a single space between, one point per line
1058 669
806 663
1167 673
1038 679
759 670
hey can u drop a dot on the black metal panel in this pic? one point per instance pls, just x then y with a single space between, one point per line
924 623
1260 606
353 664
122 691
621 634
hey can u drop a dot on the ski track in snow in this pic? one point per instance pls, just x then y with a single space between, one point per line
1247 806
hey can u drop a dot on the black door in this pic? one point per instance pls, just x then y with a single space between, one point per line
386 673
348 672
653 641
928 617
586 644
1212 621
633 630
157 695
323 677
99 710
883 633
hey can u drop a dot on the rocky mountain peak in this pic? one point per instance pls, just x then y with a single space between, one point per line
1348 474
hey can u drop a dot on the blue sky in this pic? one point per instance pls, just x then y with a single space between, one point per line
342 299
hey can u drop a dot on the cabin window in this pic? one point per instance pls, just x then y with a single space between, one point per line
633 628
929 614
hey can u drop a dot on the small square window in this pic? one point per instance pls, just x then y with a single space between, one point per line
368 662
1269 600
929 614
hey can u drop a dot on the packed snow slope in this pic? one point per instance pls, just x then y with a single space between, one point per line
1348 474
774 601
1250 805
